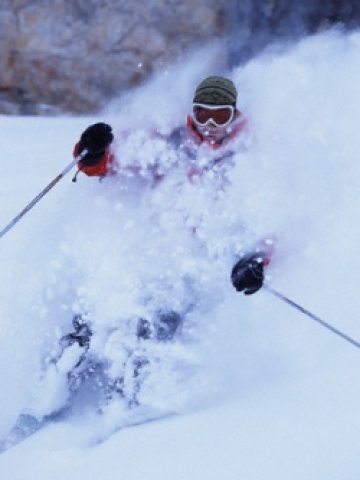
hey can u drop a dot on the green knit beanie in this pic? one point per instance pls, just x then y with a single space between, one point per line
216 90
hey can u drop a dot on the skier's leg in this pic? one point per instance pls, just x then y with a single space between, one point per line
162 328
144 329
166 325
72 347
80 335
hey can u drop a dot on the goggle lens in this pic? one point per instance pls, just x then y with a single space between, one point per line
219 115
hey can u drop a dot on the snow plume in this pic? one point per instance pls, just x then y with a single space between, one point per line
119 249
165 100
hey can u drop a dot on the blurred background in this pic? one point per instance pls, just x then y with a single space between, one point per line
73 56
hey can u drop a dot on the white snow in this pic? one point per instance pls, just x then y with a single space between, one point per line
253 388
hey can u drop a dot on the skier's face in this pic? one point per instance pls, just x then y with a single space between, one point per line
212 133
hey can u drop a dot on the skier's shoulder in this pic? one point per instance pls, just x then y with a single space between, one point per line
241 137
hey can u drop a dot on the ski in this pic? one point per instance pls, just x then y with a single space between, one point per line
28 425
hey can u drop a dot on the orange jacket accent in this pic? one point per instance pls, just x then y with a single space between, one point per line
100 169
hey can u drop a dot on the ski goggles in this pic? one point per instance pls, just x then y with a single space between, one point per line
219 115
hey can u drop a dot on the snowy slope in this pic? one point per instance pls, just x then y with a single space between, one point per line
260 390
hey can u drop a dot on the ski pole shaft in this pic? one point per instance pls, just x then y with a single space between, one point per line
38 197
312 316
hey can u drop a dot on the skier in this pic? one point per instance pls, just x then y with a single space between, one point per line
215 124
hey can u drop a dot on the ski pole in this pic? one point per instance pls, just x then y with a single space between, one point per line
312 316
38 197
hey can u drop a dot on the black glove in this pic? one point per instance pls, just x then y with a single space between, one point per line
95 139
248 273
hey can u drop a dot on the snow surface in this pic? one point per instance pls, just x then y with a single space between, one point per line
255 389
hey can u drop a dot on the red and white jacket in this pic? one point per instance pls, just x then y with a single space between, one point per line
187 138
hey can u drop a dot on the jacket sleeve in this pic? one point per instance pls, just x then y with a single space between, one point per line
264 249
99 167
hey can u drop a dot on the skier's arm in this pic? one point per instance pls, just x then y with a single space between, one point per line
96 139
